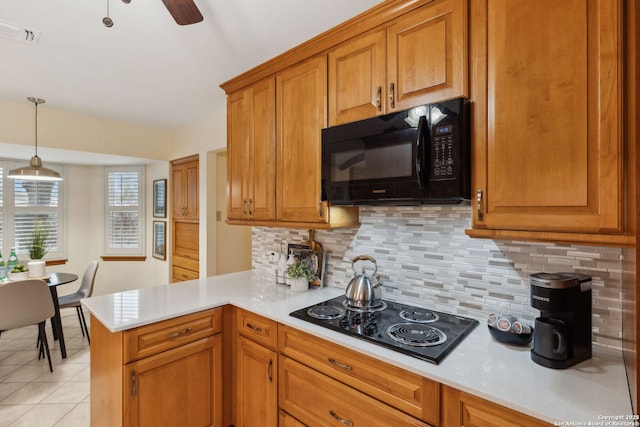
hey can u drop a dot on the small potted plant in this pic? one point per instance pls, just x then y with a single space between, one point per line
300 274
38 248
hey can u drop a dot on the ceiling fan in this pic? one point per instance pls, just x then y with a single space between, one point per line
184 12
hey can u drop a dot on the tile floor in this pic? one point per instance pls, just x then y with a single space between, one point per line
32 396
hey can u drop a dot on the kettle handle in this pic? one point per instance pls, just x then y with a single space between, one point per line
364 258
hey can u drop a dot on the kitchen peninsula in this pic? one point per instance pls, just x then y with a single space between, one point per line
591 391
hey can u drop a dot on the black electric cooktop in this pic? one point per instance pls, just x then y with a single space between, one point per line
422 333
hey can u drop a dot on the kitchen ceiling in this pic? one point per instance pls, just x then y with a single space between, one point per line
147 69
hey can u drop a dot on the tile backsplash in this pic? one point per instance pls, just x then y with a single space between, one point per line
425 259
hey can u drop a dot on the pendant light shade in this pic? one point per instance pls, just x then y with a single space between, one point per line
35 171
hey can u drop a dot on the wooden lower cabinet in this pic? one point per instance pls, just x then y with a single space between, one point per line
256 385
256 370
165 374
318 400
463 409
403 390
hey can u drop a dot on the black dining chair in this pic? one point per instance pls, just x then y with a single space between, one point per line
85 291
24 303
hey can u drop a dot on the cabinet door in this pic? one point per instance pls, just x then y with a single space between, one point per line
238 154
251 153
427 51
462 409
301 104
357 78
547 120
182 386
191 190
177 189
256 385
262 197
184 189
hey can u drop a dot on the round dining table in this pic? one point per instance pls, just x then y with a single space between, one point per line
54 280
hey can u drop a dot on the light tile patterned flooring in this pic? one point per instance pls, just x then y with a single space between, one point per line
32 396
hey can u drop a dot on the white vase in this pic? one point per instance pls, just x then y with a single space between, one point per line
299 284
37 268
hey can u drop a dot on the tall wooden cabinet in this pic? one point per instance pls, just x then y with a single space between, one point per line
251 152
547 120
185 225
415 59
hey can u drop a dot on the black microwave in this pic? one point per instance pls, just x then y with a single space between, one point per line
417 156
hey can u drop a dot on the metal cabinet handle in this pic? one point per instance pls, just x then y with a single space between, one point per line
250 207
392 90
269 370
244 207
337 417
320 211
479 204
340 365
133 383
378 98
178 333
255 328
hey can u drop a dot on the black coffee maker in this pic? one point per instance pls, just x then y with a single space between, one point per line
562 333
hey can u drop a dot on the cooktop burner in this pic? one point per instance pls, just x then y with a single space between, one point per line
379 307
418 315
417 334
325 312
425 334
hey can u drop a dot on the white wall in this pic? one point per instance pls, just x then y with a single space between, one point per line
59 129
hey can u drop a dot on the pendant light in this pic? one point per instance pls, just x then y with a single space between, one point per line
35 171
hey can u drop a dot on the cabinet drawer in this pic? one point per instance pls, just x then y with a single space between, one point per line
157 337
404 390
186 262
315 399
257 328
286 420
179 273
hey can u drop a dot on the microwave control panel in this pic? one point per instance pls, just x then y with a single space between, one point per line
443 152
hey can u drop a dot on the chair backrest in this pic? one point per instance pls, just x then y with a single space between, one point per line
25 302
88 279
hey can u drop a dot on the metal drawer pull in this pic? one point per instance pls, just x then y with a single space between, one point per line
133 383
182 332
337 417
255 328
341 365
269 370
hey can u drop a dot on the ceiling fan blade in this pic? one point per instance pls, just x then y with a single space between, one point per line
185 12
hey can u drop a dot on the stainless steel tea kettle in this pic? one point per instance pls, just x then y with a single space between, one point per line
362 291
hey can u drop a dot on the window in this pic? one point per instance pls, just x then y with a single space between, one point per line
25 205
124 216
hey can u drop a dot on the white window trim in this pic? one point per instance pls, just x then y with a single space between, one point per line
9 211
140 250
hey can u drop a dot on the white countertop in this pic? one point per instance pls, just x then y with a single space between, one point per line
590 391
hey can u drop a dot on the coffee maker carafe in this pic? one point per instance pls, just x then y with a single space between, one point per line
562 333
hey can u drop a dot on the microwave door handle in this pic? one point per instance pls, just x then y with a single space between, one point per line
421 148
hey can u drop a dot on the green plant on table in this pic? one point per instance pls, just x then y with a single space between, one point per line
39 245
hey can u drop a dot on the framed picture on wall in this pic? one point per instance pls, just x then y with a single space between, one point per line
159 240
160 198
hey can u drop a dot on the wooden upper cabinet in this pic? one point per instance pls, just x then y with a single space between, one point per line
251 153
548 147
185 188
300 112
417 58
